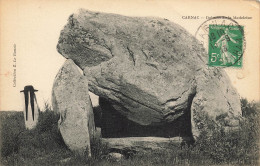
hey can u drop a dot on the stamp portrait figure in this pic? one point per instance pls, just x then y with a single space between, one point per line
223 44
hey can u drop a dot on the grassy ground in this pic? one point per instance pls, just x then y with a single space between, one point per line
44 145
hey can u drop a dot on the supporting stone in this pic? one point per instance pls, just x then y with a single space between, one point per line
71 100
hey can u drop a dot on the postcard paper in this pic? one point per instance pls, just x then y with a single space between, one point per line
154 70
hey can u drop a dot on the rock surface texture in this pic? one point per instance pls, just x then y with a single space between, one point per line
136 144
70 98
151 70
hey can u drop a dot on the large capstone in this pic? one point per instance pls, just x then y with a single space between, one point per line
71 100
151 70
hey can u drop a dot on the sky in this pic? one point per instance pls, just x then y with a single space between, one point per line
34 28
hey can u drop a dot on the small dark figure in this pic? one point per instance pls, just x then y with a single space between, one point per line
30 101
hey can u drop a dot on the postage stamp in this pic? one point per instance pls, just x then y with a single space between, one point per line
224 40
225 46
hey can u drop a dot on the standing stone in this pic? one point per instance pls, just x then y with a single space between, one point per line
70 98
216 101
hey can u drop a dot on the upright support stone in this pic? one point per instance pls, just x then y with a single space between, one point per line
70 98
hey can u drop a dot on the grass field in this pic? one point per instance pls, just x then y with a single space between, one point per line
44 145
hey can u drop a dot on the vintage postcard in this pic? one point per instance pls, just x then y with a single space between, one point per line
142 82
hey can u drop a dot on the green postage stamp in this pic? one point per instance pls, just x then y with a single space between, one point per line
225 45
